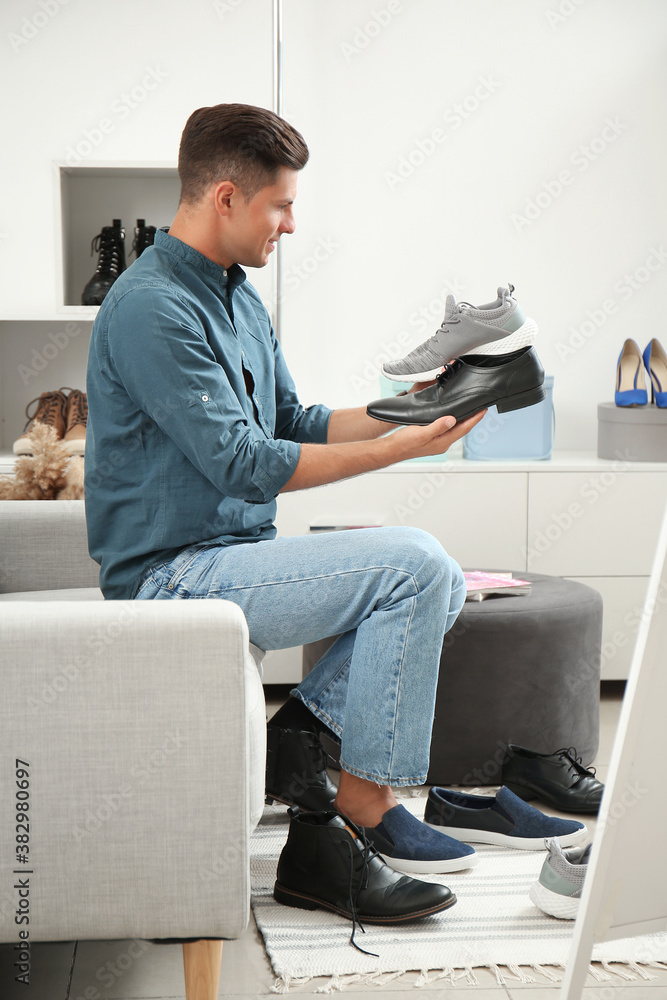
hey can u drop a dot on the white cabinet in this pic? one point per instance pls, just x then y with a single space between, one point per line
602 522
479 518
574 516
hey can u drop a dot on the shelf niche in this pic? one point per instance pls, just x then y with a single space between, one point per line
90 197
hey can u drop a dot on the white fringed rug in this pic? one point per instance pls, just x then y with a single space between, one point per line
493 925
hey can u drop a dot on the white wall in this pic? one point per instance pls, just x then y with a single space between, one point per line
114 82
368 82
519 93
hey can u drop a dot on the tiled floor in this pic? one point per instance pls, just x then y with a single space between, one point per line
124 970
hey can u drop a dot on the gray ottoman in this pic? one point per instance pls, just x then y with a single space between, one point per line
514 670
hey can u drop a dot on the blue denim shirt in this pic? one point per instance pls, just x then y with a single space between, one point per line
194 425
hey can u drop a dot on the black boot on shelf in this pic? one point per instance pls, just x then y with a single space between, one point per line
144 236
110 243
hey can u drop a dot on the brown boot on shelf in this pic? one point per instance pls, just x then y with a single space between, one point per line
51 411
76 415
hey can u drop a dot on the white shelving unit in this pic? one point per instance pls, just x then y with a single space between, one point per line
576 516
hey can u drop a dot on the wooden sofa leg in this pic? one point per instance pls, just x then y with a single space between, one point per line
201 964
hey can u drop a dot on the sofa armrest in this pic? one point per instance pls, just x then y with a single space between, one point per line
44 546
136 721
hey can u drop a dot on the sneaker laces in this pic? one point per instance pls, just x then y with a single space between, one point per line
366 854
576 761
106 244
48 406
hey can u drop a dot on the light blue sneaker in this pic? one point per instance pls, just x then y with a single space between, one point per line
498 327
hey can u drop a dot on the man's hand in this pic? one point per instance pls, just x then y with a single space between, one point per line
434 439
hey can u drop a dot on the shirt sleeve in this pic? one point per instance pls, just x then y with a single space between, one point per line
293 422
159 353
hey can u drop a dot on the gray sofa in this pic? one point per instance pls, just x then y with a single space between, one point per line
139 728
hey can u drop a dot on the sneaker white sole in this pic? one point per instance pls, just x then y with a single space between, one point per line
523 337
503 840
563 907
431 867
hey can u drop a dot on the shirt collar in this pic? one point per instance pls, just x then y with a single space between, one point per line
230 277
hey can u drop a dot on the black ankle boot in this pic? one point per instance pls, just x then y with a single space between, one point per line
327 862
144 236
296 770
110 243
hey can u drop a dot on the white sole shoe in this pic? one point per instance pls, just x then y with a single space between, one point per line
431 867
553 903
504 840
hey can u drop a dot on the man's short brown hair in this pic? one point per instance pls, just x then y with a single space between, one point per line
238 143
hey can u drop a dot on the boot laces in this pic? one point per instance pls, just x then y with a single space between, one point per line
143 237
362 881
575 760
77 408
325 758
50 406
106 243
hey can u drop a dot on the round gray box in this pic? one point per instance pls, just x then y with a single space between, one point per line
632 433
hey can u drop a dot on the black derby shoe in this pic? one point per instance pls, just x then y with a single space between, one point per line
468 385
559 779
296 770
328 862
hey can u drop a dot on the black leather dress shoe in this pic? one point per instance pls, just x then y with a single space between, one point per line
468 385
559 779
328 862
296 770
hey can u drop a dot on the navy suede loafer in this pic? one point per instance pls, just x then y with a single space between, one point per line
408 845
505 820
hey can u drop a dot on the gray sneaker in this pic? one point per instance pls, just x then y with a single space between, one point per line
558 889
498 327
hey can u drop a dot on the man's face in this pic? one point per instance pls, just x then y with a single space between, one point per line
259 223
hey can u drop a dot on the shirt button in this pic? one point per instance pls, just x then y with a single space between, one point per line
204 398
224 274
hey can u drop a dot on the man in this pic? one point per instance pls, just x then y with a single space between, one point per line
195 428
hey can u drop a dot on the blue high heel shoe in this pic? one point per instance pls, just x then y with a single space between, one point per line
630 384
655 361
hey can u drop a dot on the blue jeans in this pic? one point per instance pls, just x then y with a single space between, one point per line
389 594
